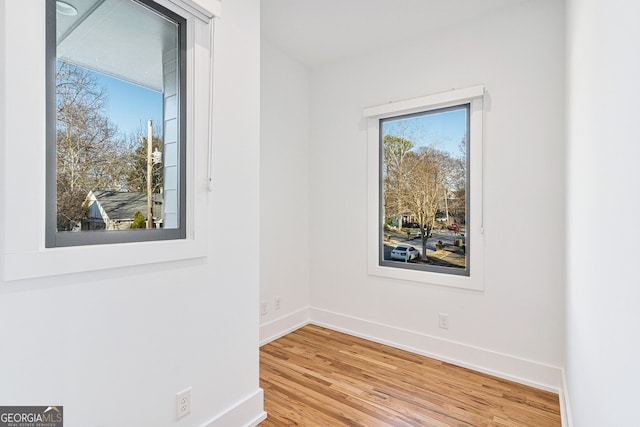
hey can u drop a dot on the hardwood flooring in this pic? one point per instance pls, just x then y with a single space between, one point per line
319 377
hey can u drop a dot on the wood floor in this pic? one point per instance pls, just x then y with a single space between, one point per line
319 377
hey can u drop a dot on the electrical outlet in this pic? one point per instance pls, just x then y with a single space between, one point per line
276 303
183 403
264 308
443 321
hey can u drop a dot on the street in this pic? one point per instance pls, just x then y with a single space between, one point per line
449 256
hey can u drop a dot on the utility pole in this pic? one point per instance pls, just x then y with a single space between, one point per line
149 176
446 206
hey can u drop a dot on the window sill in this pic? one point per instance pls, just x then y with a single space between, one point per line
79 259
474 282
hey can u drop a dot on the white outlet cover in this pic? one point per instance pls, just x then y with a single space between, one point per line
443 321
183 403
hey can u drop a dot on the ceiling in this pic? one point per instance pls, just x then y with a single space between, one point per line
315 32
318 32
119 38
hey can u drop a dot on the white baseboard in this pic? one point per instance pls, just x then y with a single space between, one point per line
282 326
565 403
247 413
500 365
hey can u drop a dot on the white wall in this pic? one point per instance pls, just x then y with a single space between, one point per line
2 125
284 191
115 346
518 55
603 345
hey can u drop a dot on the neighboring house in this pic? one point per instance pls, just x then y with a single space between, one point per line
114 210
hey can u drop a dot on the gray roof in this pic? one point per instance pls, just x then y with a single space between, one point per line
122 205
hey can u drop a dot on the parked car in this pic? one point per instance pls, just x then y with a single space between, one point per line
405 253
454 227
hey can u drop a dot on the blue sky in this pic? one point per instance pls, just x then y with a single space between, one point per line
444 130
130 106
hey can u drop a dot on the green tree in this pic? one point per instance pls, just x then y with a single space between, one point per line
136 160
457 183
397 153
138 221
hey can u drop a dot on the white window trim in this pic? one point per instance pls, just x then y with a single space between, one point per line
25 253
209 8
474 96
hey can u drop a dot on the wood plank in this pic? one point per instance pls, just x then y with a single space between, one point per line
318 377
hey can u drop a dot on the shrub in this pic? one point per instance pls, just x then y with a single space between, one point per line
138 221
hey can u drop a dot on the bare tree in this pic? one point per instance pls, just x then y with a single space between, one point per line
416 182
426 189
88 153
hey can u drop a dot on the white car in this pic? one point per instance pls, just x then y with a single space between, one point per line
405 253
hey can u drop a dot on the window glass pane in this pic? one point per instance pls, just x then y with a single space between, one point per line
424 186
117 117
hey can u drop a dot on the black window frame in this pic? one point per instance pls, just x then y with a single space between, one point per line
466 271
54 238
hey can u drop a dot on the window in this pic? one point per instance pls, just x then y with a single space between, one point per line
28 250
116 122
425 189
